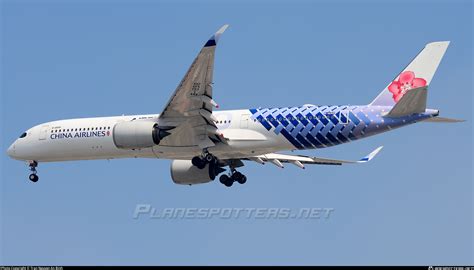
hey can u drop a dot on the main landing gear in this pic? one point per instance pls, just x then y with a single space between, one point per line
235 176
207 158
202 161
215 168
33 176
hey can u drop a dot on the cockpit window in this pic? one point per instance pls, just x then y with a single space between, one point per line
23 135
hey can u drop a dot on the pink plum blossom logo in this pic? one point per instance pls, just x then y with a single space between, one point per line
406 82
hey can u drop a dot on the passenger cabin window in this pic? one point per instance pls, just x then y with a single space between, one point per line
23 135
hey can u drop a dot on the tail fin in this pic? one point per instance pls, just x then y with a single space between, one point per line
417 74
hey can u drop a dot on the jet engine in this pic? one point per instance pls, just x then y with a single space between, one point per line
138 134
183 172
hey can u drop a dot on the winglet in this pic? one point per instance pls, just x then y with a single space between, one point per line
215 38
370 156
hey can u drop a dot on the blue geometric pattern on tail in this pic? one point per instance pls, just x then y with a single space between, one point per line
311 126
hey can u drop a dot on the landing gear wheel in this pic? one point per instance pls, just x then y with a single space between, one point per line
34 177
226 180
242 179
228 183
223 179
210 158
239 177
198 162
236 175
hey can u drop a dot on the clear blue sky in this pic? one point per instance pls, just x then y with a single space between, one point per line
413 204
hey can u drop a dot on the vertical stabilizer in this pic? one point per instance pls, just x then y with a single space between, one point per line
417 74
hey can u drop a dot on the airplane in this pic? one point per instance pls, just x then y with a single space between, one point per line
203 142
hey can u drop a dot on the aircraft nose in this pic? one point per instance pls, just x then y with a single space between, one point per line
11 151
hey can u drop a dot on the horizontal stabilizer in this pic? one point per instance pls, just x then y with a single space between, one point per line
443 120
414 101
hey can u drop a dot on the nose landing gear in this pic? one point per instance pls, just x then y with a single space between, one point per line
33 176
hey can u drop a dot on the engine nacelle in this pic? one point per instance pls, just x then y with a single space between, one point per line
183 172
137 134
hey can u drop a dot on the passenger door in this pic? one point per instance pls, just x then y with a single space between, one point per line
44 132
244 121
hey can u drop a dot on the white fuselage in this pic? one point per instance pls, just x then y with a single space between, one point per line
247 133
92 138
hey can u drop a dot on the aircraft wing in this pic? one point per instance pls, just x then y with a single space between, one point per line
298 160
189 110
